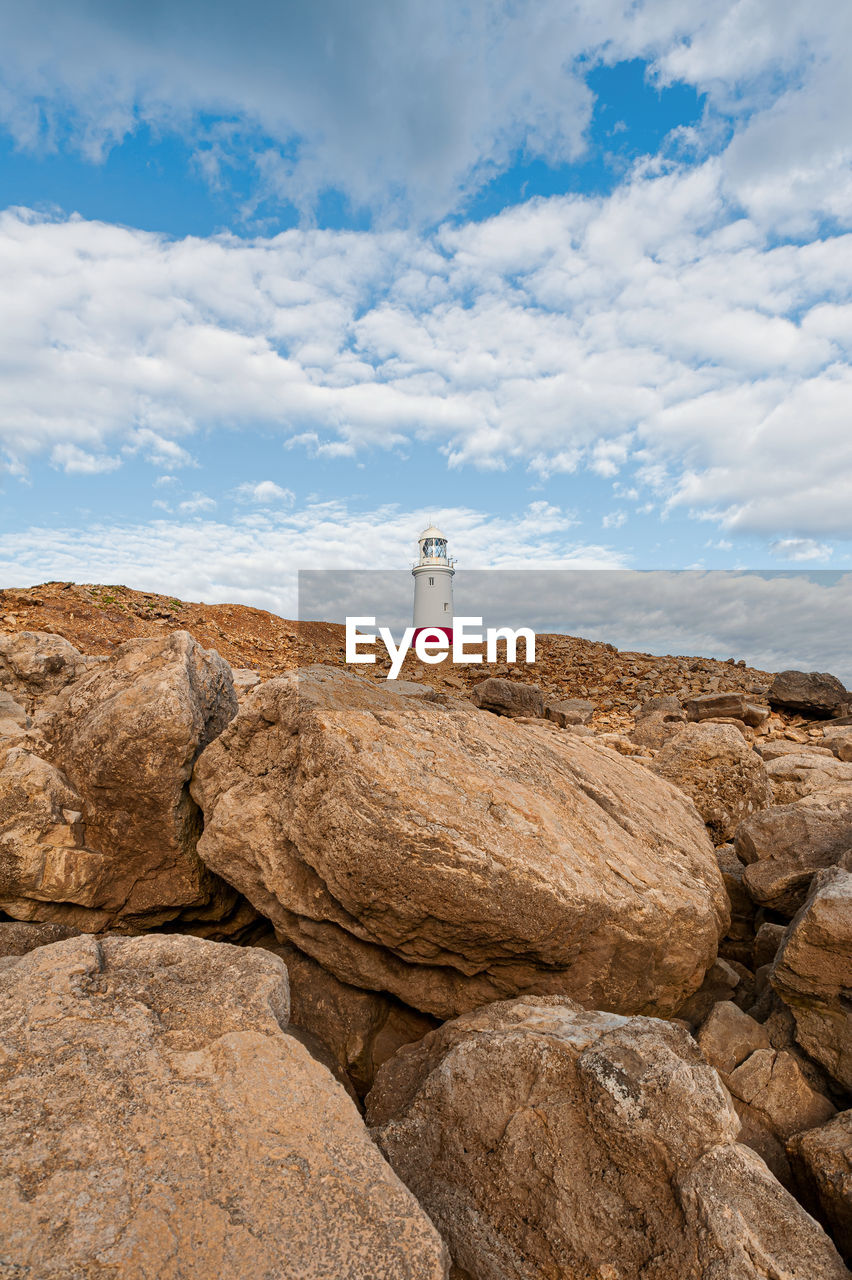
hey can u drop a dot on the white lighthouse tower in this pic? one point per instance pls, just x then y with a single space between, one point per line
433 584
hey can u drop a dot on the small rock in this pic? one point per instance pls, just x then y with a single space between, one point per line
508 697
767 940
728 1036
569 711
719 982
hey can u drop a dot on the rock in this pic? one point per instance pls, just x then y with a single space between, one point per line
103 833
35 665
795 776
728 1036
244 679
508 697
734 705
755 1228
777 747
11 713
725 778
822 1163
739 940
181 1133
45 863
812 973
785 844
773 1084
663 704
544 1140
569 711
720 982
658 720
838 742
767 940
361 1029
452 858
17 939
813 693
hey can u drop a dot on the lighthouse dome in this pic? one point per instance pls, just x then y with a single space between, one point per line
431 532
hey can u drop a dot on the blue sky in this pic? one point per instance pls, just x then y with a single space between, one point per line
279 282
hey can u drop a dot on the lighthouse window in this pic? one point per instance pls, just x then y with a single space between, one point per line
431 582
435 548
446 607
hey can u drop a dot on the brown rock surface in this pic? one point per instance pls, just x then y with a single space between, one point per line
34 665
103 832
785 844
544 1140
18 938
735 705
449 857
822 1163
728 1036
508 697
569 711
839 742
812 973
722 774
813 693
658 720
792 777
773 1084
361 1029
158 1122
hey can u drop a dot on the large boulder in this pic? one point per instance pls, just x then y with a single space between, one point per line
714 765
544 1140
97 828
812 972
822 1163
159 1122
451 858
812 693
785 845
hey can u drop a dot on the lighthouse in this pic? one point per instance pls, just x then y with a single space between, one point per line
433 585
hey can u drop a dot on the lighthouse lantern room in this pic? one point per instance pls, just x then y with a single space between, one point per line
433 585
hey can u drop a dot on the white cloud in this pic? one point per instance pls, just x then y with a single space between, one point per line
657 332
75 461
799 549
198 502
266 492
409 108
614 519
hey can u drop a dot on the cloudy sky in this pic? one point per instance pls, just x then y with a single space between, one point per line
280 281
